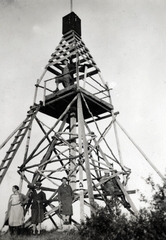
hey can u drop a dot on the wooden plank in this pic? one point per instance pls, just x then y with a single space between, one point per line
84 50
68 34
65 48
86 56
61 59
53 71
89 74
90 62
62 54
98 118
77 37
59 66
61 45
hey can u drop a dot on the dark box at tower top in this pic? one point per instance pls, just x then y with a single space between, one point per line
71 22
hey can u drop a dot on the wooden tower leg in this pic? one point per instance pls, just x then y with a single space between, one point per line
81 180
72 150
81 132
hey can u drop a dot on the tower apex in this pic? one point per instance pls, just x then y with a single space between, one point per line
71 22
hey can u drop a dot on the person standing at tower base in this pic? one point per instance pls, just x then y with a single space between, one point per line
65 198
15 213
38 201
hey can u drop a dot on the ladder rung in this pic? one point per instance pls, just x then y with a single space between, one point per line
15 143
11 150
6 159
33 107
23 128
19 135
3 168
28 120
29 114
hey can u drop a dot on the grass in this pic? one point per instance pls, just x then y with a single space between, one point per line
45 235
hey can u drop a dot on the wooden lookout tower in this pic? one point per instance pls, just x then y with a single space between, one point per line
74 123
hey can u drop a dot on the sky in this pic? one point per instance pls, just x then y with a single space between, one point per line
127 41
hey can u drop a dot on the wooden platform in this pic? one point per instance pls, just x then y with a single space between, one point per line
56 103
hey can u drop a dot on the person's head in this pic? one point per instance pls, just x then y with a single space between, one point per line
65 61
64 180
70 60
38 185
111 165
15 188
107 173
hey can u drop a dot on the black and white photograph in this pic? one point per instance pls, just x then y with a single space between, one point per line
83 119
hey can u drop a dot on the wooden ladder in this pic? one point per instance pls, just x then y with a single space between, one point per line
19 136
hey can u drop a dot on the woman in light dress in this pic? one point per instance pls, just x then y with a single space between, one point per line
15 213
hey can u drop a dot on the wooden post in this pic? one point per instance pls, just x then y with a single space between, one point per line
37 83
85 73
83 141
73 149
102 80
81 183
77 72
80 169
44 93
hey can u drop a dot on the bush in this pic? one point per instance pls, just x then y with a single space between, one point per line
104 224
112 224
